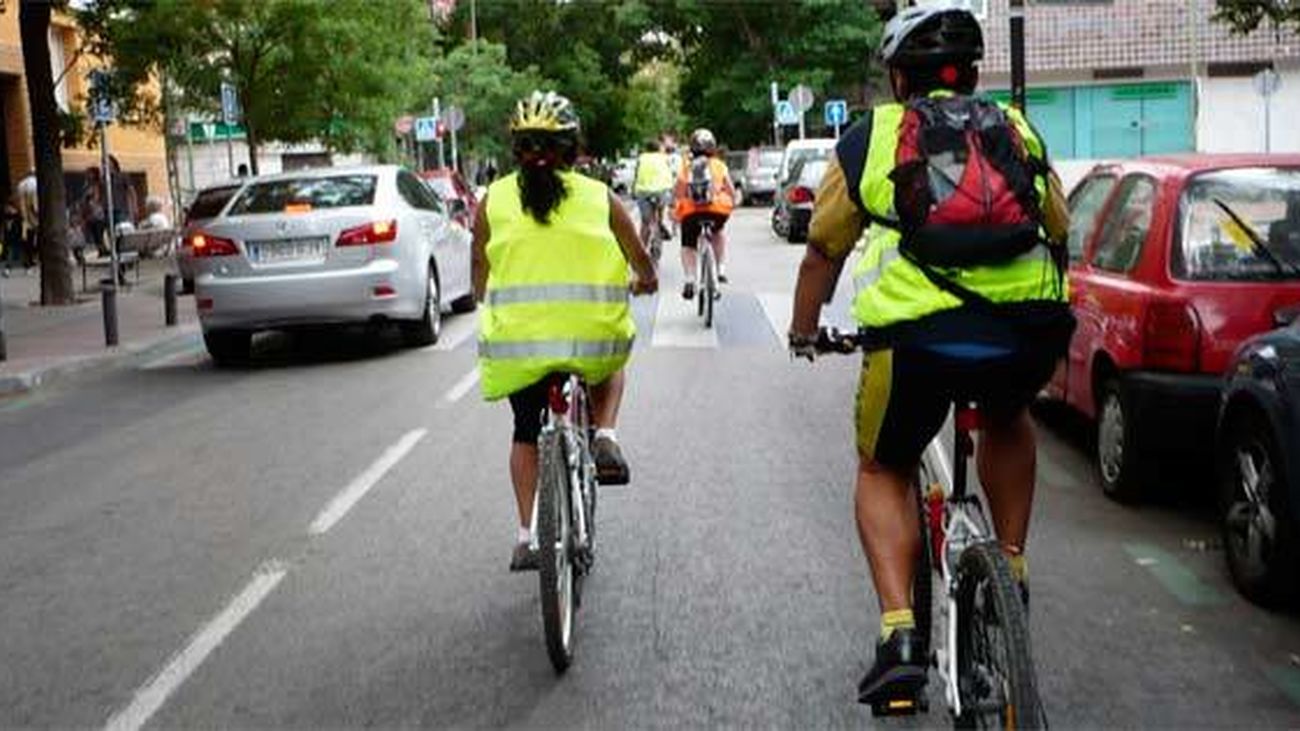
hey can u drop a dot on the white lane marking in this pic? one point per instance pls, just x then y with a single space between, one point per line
153 694
462 387
777 307
358 488
678 326
455 331
183 358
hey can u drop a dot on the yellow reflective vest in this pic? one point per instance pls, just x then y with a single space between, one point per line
557 293
890 289
654 173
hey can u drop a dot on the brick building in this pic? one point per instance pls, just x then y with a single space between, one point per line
1119 78
140 152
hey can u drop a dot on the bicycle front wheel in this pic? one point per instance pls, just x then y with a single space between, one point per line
994 665
555 551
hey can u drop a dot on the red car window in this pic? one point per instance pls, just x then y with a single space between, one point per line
1085 211
1210 245
1127 224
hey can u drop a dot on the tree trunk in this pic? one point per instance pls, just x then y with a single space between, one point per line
56 264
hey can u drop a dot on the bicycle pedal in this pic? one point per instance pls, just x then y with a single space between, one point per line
901 706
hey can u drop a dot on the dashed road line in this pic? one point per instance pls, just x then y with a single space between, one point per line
150 697
357 489
678 326
461 387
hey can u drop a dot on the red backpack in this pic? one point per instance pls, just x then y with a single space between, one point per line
964 187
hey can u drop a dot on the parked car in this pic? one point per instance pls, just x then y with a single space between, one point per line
451 187
1259 465
736 162
760 173
795 152
624 175
330 246
209 204
1176 260
792 210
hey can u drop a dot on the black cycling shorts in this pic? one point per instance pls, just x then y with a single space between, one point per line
1000 364
530 405
691 227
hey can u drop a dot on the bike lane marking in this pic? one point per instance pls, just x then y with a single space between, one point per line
1174 576
357 489
461 387
677 325
153 694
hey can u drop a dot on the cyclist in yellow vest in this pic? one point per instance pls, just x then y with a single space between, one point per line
991 332
551 255
652 187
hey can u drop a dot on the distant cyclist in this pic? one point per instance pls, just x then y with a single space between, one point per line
704 192
961 278
551 255
652 187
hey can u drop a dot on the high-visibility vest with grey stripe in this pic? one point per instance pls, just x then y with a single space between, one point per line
557 293
890 289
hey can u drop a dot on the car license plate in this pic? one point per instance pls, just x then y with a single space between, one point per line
288 250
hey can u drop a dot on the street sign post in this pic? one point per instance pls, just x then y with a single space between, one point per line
775 90
836 114
785 113
1017 38
426 129
455 120
1267 83
102 111
229 115
802 98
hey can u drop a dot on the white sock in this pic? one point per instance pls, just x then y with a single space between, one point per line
606 434
524 535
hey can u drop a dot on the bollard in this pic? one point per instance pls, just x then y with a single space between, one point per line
108 291
169 299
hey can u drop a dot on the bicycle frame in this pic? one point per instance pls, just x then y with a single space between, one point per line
569 413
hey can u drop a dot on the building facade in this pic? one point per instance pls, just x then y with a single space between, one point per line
141 152
1122 78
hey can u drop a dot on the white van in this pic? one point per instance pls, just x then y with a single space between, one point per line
796 150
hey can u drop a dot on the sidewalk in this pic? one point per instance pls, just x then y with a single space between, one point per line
49 342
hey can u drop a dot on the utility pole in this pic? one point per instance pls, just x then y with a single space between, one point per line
1017 11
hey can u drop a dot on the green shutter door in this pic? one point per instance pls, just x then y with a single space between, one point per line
1129 120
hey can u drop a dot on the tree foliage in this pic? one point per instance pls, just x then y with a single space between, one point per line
1244 16
481 82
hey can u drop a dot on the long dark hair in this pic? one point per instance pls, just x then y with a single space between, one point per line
541 157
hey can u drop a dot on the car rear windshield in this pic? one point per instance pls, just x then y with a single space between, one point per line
442 186
1212 244
208 203
813 172
311 193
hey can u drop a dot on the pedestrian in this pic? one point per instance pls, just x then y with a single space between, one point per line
154 216
126 205
29 208
93 218
11 231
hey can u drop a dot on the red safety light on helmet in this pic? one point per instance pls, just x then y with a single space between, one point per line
208 245
378 232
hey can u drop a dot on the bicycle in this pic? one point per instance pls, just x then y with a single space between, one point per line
564 512
978 595
707 274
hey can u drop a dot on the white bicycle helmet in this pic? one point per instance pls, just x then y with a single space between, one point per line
703 142
932 35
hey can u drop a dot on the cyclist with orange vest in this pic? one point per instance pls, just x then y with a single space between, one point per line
704 193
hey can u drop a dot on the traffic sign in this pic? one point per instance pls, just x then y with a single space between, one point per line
785 113
102 110
455 118
802 98
426 129
1267 82
402 125
836 113
229 103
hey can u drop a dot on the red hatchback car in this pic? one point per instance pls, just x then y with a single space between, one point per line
1175 261
462 206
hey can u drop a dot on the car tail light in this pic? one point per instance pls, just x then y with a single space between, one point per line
799 194
1171 337
208 245
378 232
384 290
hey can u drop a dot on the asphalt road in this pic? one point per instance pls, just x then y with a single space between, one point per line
321 540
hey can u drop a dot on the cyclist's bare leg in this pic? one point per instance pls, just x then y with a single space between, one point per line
720 248
887 526
689 263
605 401
1006 460
646 221
523 473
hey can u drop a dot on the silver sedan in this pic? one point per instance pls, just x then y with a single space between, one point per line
332 246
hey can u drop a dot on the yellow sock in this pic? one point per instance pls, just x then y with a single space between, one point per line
897 619
1019 567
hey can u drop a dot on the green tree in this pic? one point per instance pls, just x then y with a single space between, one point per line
653 103
481 82
338 72
1244 16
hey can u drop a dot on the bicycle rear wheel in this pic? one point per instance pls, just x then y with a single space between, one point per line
708 286
555 551
994 665
923 579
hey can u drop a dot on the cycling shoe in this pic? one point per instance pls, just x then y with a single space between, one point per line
895 684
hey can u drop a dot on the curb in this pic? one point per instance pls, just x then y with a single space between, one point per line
30 380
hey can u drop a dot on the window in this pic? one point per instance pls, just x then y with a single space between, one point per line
1211 245
417 193
1127 225
333 192
1085 211
208 203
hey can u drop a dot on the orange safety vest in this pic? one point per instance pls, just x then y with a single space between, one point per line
722 202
